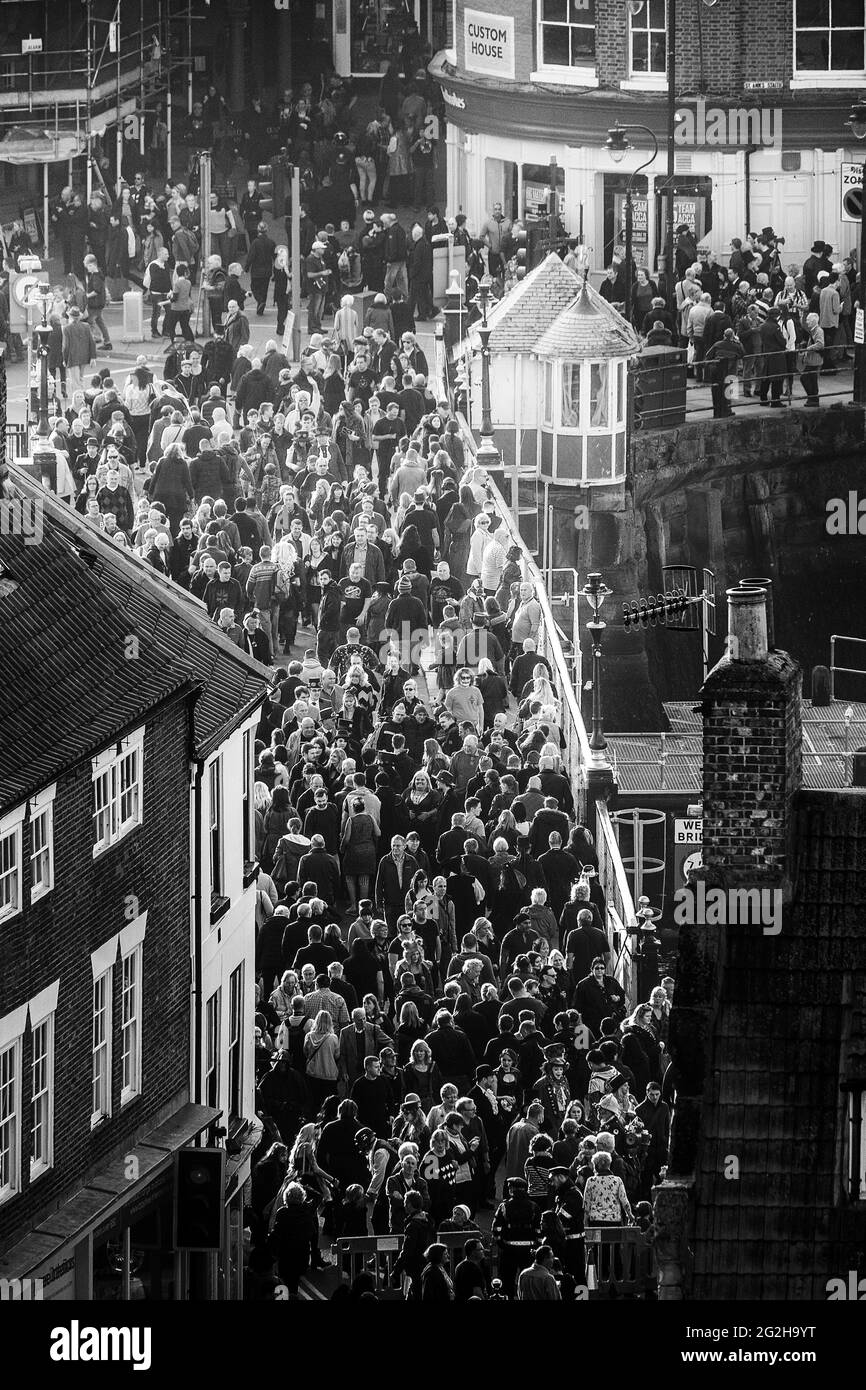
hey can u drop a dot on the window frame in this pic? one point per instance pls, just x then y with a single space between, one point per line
248 798
43 1014
106 978
212 1041
108 770
650 75
584 74
39 807
134 960
44 1097
12 1187
11 829
804 78
216 826
235 1049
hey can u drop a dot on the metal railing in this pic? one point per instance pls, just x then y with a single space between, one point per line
846 670
612 1261
618 897
749 374
842 758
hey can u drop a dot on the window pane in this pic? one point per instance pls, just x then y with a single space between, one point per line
582 46
847 12
847 51
556 10
640 49
656 14
598 393
658 53
813 13
555 48
583 12
812 52
8 1117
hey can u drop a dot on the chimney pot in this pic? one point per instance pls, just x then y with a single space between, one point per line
771 620
747 624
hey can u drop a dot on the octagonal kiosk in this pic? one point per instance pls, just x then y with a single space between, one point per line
583 357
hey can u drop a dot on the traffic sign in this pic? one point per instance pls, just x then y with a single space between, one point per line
851 192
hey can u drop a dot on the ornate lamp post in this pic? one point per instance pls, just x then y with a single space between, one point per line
617 143
43 296
487 455
595 591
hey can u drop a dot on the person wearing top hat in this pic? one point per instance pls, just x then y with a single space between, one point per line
814 263
552 1090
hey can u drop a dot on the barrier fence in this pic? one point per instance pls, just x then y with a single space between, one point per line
607 1261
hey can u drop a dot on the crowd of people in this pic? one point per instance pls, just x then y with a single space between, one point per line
753 327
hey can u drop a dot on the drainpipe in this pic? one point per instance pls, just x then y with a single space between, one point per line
747 175
197 929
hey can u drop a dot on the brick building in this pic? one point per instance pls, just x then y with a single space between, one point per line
179 888
765 1193
762 102
94 1032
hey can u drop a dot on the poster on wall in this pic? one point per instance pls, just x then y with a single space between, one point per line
639 226
488 43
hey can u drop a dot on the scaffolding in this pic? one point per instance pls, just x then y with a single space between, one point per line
57 106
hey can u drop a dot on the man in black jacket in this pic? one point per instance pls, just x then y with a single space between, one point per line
394 251
260 264
598 996
583 945
421 275
217 359
94 286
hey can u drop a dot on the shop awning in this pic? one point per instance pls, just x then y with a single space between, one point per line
30 145
107 1193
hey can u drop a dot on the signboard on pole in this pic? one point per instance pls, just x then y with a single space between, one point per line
859 334
688 845
639 227
851 192
287 336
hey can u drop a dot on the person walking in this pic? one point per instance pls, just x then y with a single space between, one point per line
260 265
94 286
79 349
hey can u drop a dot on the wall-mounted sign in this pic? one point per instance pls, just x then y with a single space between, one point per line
31 45
488 43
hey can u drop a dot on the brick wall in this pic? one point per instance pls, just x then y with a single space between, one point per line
752 750
54 939
717 50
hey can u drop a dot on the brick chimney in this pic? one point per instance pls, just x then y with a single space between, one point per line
752 751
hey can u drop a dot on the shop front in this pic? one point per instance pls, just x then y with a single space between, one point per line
501 138
370 34
113 1240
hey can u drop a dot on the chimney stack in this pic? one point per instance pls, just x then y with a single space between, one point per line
752 750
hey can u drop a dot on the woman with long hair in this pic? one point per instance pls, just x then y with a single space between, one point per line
421 1074
281 286
410 1028
358 845
333 385
321 1050
411 547
276 824
458 533
420 803
434 760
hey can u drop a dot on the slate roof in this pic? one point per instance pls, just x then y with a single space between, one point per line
68 687
588 327
790 1022
233 684
523 315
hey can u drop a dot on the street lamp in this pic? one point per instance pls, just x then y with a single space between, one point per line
595 591
617 143
857 123
487 455
43 295
634 8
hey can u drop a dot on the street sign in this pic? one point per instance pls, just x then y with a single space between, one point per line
851 192
859 334
688 841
